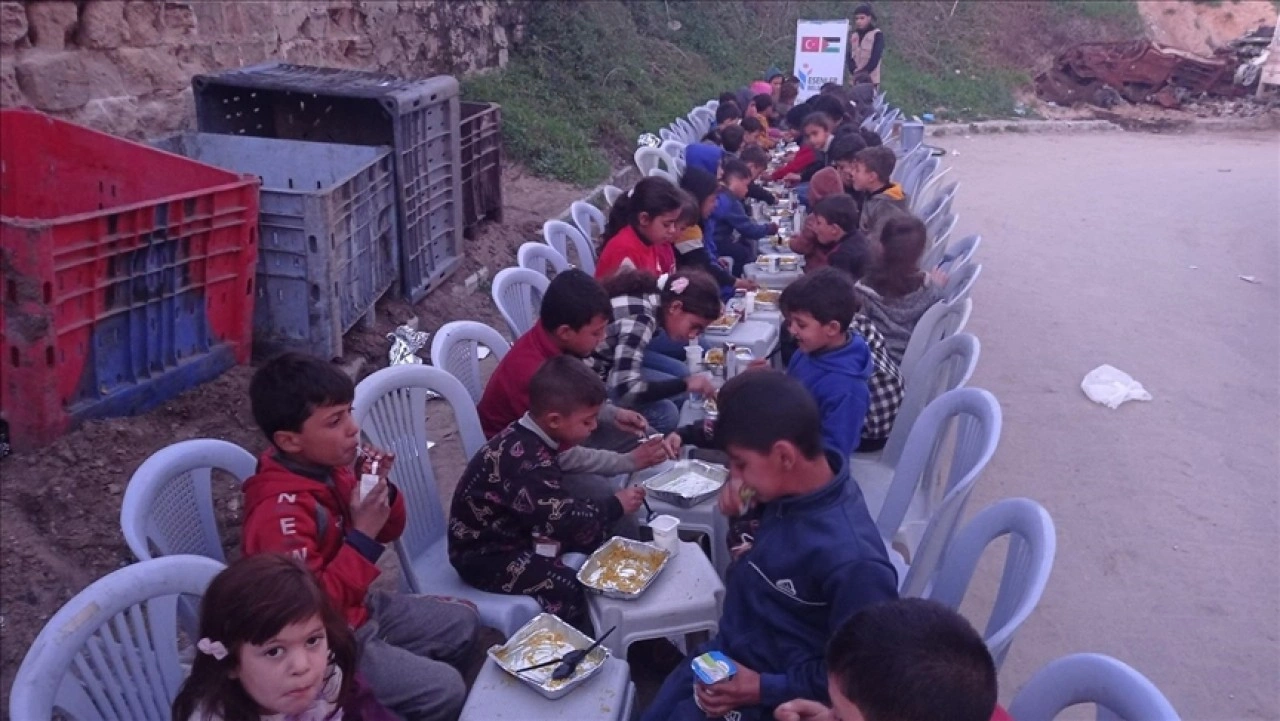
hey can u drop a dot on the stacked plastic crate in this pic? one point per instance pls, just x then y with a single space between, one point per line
419 119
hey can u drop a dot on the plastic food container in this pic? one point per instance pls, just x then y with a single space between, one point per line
544 638
622 568
689 483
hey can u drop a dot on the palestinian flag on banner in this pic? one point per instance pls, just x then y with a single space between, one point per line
830 45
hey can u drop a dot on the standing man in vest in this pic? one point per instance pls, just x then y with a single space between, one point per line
866 47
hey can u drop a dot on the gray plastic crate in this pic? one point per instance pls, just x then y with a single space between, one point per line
418 118
327 228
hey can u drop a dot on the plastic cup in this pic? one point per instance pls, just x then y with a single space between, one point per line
665 535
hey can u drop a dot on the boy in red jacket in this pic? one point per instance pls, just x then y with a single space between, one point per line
305 501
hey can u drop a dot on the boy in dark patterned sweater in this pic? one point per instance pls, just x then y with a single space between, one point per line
510 519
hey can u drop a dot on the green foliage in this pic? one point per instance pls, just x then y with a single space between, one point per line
590 77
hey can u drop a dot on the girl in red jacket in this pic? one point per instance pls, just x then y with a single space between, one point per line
641 229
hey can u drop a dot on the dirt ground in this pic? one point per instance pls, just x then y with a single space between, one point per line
1127 249
60 506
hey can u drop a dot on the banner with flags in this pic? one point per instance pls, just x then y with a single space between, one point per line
821 47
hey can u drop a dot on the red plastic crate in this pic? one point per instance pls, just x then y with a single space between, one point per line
127 274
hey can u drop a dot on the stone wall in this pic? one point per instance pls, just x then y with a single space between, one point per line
125 66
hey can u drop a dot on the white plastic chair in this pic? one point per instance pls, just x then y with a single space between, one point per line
1116 688
934 188
939 322
703 117
612 193
649 158
959 253
669 176
948 365
563 237
925 499
168 503
960 283
518 294
111 652
454 347
673 148
686 133
908 163
541 258
667 134
712 105
941 229
919 175
589 219
1028 562
391 407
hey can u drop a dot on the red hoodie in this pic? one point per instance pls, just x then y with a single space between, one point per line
506 395
304 513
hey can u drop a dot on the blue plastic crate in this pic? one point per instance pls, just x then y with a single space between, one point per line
327 229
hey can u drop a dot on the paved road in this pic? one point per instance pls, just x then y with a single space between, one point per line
1126 249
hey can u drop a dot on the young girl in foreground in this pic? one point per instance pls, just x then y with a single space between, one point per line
271 648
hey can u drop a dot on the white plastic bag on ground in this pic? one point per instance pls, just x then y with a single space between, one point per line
1111 386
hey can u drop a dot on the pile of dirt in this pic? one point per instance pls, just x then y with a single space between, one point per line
60 505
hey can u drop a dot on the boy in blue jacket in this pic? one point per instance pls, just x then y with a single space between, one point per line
832 363
729 216
816 559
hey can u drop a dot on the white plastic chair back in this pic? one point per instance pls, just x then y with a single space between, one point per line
680 166
564 238
939 322
518 294
960 283
871 122
919 175
959 253
932 258
649 158
967 421
667 134
1028 562
168 504
541 258
934 199
703 118
909 163
673 148
668 176
391 408
111 652
941 228
589 219
454 347
928 190
712 105
1116 688
946 366
611 194
686 133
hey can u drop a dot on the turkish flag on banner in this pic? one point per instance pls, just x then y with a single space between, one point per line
811 45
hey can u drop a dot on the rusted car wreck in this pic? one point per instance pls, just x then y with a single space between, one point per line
1139 72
